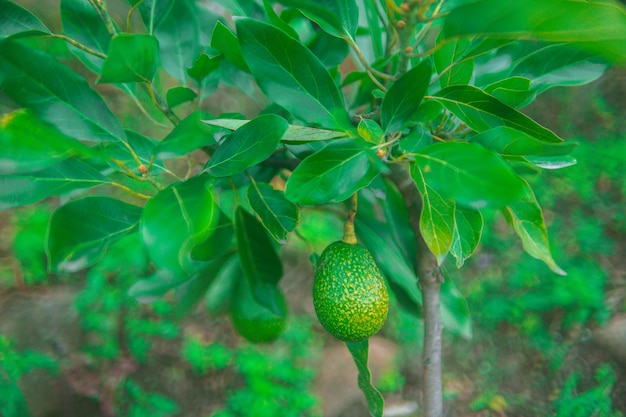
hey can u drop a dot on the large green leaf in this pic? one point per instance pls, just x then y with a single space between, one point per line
482 111
227 43
336 17
404 97
513 91
132 57
508 141
247 146
596 26
332 174
451 65
30 145
80 231
468 174
437 217
17 21
375 401
279 215
291 75
72 174
35 80
294 134
468 227
526 217
82 22
175 220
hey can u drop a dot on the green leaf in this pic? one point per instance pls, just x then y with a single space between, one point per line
221 291
437 217
294 134
508 141
333 174
468 228
178 34
82 22
175 220
12 402
450 63
526 217
259 260
481 112
513 91
291 75
597 27
80 231
190 292
221 241
132 57
190 134
203 66
375 401
338 18
247 146
16 21
404 97
72 174
176 96
279 215
78 112
469 174
30 145
227 43
371 131
455 314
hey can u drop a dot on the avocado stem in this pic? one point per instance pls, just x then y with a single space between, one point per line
349 235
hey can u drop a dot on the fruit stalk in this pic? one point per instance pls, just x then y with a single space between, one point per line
349 235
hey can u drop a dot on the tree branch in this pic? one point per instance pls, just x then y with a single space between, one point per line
430 279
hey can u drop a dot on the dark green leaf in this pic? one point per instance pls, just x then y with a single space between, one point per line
178 35
332 174
80 231
175 220
247 146
279 215
291 75
468 227
178 95
131 57
82 22
17 21
12 402
189 293
190 134
221 241
30 145
37 81
221 291
437 217
508 141
404 97
294 134
481 112
375 401
338 18
259 260
203 66
227 43
526 217
72 174
468 174
598 27
451 65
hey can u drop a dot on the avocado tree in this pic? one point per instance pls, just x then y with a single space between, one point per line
401 117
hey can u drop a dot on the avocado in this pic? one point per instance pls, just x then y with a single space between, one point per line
349 292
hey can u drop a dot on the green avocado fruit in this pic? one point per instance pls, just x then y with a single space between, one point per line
349 292
256 322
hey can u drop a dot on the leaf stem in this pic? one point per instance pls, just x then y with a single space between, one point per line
130 191
101 8
130 14
78 45
159 103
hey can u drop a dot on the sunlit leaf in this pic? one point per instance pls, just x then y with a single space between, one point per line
468 227
294 134
526 217
81 230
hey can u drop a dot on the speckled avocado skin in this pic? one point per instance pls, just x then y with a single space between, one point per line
349 293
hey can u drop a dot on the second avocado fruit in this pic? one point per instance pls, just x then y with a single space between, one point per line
349 292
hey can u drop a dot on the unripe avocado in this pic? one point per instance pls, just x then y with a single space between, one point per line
256 322
349 292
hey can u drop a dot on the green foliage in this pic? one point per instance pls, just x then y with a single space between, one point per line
13 365
145 404
596 401
29 241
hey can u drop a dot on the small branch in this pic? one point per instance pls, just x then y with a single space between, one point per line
78 45
159 102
